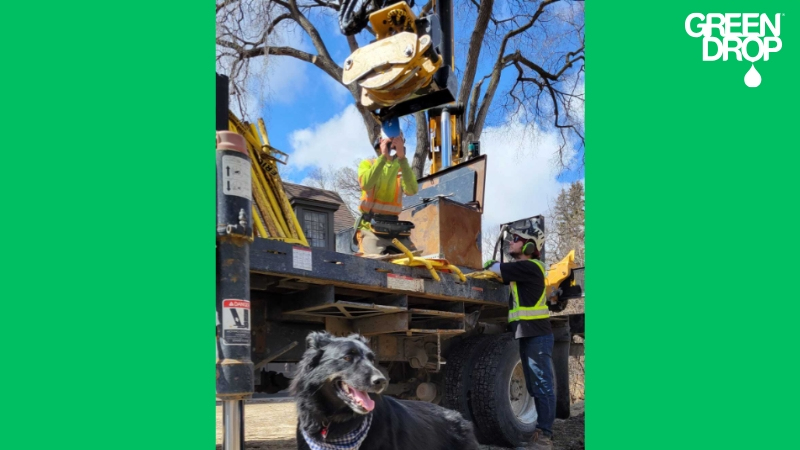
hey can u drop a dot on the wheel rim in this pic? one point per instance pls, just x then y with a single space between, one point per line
522 404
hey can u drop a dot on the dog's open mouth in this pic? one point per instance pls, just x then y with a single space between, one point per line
359 400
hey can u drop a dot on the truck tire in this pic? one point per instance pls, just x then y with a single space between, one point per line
503 410
458 375
562 337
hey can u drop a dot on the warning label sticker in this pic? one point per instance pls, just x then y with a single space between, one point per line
236 177
236 322
301 258
404 283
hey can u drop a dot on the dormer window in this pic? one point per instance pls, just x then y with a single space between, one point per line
316 219
320 213
316 227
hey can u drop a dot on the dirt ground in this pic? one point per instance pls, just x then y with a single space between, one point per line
271 426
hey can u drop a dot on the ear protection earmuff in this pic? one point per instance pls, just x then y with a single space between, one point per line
529 248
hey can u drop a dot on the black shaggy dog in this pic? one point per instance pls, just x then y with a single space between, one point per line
339 405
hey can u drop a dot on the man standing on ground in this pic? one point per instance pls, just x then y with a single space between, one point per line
383 181
529 319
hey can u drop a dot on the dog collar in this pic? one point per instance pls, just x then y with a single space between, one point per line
350 441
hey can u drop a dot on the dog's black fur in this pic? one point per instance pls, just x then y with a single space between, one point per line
396 424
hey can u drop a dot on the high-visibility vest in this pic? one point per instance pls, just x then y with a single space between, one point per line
385 197
538 311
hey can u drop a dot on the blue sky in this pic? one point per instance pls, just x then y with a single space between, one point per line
313 119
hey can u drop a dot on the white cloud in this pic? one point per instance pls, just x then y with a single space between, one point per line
332 144
521 179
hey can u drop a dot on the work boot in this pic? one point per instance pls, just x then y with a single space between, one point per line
541 442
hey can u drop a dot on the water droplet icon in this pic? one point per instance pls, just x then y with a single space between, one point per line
752 78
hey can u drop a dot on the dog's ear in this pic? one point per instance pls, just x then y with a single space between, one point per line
318 340
360 338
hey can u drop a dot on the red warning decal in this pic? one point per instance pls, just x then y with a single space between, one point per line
236 304
236 322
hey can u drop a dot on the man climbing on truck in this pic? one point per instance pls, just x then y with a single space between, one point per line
528 317
383 181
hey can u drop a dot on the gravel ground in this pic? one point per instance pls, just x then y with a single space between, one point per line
271 426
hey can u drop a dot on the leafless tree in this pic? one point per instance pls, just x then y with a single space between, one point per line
489 235
240 23
529 43
322 178
565 228
540 42
343 181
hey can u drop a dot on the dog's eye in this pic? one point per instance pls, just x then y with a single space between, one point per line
348 358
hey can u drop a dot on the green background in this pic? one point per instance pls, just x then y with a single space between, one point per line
691 225
108 220
109 208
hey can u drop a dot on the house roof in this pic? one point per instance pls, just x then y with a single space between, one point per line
342 219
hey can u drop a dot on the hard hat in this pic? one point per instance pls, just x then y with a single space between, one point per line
391 128
528 229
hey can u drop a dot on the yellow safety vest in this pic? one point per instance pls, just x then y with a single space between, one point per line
538 311
379 201
385 195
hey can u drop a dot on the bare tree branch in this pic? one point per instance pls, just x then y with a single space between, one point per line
352 43
426 9
275 23
333 6
473 103
529 38
501 63
278 51
226 3
543 73
342 181
477 127
312 32
474 51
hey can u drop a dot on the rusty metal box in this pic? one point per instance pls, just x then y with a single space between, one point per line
447 229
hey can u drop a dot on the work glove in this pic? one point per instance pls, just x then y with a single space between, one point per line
488 264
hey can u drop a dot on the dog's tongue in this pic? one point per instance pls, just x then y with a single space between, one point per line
363 398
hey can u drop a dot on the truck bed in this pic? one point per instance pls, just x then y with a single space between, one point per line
274 263
296 290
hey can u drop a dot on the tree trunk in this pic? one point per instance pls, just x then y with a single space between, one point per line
474 52
421 152
476 128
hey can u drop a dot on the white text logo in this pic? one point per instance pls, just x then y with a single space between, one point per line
743 35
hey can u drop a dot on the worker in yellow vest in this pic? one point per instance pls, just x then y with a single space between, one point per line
529 320
383 181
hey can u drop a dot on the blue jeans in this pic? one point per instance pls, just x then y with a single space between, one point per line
536 354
